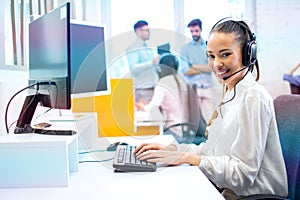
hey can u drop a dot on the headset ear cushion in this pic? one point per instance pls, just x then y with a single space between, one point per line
249 53
253 55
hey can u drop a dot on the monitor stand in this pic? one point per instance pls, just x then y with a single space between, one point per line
27 112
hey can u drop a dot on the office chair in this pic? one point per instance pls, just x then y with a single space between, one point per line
287 111
193 130
294 89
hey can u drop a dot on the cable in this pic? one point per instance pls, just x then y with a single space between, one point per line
42 114
32 85
56 91
85 152
234 94
28 104
92 151
105 160
6 111
221 104
12 124
234 90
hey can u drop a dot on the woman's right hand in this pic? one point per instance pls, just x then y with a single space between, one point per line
140 105
153 146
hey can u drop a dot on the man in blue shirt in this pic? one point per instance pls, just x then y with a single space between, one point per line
142 63
194 67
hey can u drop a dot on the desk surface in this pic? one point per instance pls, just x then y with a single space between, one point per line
97 180
147 123
143 116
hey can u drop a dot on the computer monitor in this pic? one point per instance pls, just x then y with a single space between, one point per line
89 75
49 65
163 49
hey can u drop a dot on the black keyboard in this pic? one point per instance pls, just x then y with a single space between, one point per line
125 161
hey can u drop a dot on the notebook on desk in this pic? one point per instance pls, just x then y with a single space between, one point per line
163 48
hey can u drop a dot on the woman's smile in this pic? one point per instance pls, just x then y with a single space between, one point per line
221 73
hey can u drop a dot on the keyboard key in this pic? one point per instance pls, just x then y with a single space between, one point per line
126 161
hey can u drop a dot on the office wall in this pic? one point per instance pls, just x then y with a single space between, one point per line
276 25
277 30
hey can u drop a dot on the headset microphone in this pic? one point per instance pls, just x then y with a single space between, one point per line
227 77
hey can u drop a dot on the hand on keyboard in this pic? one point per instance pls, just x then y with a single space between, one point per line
126 161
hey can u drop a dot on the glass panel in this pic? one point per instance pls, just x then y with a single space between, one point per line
124 14
158 13
210 12
121 15
8 40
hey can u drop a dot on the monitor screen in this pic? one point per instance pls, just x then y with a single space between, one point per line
49 55
89 76
49 65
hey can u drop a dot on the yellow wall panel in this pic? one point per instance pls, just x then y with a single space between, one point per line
115 111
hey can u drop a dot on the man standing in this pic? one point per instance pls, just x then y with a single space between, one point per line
194 67
142 63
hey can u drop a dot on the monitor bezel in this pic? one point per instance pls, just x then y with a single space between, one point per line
94 93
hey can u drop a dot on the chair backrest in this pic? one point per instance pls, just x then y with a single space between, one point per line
295 89
193 130
287 111
195 114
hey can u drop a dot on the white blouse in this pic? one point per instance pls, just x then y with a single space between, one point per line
243 151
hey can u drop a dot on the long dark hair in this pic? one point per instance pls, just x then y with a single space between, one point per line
169 64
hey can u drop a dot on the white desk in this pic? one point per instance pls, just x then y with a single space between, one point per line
99 181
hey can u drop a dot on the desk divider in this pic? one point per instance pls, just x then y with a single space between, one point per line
115 111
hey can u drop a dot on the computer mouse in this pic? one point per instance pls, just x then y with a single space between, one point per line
42 125
113 146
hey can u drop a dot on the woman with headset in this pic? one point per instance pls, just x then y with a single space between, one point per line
170 95
242 154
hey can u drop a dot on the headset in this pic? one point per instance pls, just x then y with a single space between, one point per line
249 50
